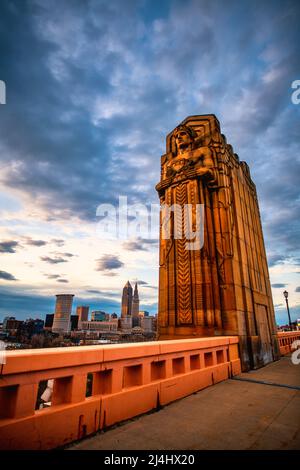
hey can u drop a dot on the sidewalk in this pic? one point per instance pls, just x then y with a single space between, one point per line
240 413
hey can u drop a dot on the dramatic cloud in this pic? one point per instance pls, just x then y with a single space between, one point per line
279 285
68 255
114 85
58 242
146 284
103 85
276 259
8 246
57 277
7 276
104 293
49 260
30 241
39 305
109 263
140 244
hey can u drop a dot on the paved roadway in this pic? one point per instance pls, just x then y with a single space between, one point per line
235 414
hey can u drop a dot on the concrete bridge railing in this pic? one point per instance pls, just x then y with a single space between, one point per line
286 340
95 387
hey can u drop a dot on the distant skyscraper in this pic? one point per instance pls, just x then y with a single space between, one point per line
74 322
83 312
49 321
62 315
127 300
135 306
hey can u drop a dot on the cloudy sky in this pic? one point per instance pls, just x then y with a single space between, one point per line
93 87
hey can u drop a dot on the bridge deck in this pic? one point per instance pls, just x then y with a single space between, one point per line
256 412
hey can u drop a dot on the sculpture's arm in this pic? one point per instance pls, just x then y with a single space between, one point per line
207 164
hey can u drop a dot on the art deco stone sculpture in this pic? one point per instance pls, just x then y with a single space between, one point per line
223 287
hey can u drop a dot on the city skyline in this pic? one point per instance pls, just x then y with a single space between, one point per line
94 305
81 126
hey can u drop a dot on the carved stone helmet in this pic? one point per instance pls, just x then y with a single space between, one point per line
184 137
188 129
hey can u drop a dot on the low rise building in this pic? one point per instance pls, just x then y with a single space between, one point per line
98 327
125 323
11 325
148 324
98 315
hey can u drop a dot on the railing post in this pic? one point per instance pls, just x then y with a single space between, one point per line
78 388
117 379
214 355
146 372
169 368
202 361
233 351
26 396
186 361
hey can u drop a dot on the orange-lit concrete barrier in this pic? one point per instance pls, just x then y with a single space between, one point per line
125 381
286 340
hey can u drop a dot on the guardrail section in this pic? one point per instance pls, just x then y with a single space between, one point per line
51 397
286 340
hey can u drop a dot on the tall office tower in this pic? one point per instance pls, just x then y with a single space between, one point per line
126 300
83 312
62 315
135 302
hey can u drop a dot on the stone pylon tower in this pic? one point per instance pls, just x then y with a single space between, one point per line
126 307
218 284
135 302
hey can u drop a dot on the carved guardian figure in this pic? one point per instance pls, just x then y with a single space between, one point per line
223 287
